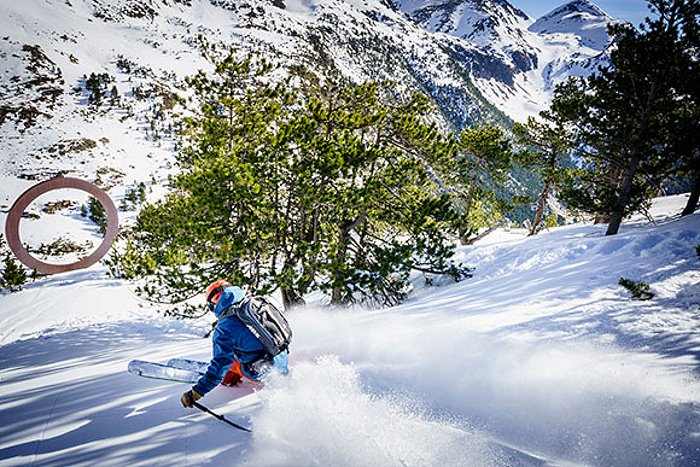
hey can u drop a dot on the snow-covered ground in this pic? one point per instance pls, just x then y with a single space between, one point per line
540 358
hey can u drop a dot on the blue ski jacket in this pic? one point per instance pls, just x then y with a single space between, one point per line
233 340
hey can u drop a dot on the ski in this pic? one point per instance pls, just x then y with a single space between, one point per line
182 371
165 372
187 364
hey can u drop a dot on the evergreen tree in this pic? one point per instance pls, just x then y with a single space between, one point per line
97 214
485 155
638 290
96 85
114 96
13 276
690 137
551 221
315 187
546 145
635 119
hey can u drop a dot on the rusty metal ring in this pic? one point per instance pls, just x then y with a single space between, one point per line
17 209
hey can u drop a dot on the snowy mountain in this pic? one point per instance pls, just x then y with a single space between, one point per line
479 61
494 26
359 39
138 52
53 53
540 359
581 17
515 61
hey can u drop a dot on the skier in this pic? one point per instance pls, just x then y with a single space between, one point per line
237 352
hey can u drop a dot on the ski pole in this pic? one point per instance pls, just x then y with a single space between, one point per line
220 417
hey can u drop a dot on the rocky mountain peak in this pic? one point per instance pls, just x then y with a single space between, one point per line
581 17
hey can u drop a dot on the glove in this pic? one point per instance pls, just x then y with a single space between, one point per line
188 399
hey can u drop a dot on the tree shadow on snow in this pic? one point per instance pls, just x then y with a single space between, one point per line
68 400
619 321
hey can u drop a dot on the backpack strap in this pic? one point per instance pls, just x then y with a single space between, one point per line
234 308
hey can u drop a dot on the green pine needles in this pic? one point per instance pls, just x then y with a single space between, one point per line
638 290
96 213
633 124
14 275
299 186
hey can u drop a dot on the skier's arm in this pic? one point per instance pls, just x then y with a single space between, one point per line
223 355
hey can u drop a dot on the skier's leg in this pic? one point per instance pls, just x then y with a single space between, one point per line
234 375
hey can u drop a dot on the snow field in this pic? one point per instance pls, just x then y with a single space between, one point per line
540 358
68 400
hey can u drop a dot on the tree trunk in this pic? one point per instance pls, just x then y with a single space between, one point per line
476 238
694 196
464 230
624 196
346 227
337 292
541 204
464 233
291 298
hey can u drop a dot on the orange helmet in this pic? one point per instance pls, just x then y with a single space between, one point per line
214 292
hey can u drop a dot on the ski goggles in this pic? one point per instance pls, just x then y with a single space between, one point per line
213 297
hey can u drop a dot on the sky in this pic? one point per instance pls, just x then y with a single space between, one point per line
633 11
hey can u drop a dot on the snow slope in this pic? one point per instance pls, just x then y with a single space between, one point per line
539 359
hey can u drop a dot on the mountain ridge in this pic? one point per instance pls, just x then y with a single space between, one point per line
515 60
142 50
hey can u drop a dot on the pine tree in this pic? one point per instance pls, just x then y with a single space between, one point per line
94 87
689 138
546 145
13 276
114 96
96 213
635 119
315 187
638 290
485 155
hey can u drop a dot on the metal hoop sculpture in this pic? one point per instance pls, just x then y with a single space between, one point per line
17 209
